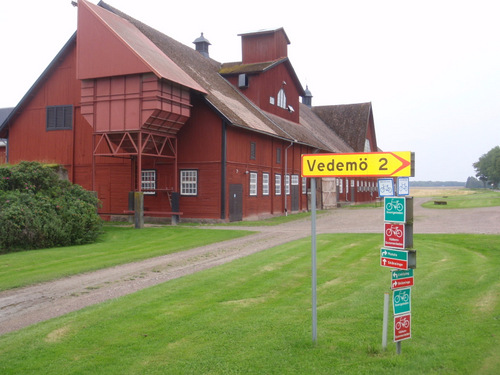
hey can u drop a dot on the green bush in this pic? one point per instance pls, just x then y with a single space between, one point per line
38 209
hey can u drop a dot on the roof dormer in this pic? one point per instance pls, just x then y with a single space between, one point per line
264 45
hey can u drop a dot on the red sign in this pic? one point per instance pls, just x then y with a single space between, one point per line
398 259
402 283
402 327
394 235
394 263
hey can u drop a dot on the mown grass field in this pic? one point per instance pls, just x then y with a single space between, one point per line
253 316
117 245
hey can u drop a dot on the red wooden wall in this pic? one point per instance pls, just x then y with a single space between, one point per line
263 46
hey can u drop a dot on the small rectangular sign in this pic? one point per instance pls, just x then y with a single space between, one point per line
402 279
394 258
401 301
395 209
385 187
394 235
403 186
402 327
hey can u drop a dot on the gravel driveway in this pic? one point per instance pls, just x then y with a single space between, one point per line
25 306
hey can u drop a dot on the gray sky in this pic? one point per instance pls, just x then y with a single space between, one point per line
430 68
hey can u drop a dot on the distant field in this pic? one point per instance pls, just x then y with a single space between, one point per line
439 191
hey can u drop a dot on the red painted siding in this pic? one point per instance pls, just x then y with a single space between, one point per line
261 47
134 102
28 137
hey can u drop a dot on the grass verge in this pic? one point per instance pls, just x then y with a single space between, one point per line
118 245
252 316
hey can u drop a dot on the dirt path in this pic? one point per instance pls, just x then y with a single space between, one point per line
25 306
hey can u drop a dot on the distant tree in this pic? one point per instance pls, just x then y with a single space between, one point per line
473 183
488 167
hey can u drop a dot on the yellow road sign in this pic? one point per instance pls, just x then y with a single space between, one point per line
359 164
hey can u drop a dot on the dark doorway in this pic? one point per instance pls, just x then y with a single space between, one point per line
295 198
235 202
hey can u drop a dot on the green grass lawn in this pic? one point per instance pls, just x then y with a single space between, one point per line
253 316
480 198
118 245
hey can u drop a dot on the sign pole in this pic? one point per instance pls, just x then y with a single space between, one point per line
385 321
313 259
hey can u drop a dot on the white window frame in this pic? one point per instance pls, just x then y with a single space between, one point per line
189 182
148 181
287 184
304 185
277 184
253 184
281 98
265 183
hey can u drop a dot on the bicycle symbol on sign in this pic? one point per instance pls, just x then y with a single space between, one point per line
401 297
394 204
386 189
402 323
394 230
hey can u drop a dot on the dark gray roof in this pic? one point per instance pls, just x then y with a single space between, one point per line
4 113
349 121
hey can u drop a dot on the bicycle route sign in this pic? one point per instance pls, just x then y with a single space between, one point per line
401 301
402 327
402 279
394 235
395 209
391 258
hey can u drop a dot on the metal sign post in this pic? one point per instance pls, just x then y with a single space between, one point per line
313 260
363 164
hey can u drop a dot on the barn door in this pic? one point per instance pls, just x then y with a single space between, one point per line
295 198
235 202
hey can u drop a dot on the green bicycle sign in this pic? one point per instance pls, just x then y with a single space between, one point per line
395 209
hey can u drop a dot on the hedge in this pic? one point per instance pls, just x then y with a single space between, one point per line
39 209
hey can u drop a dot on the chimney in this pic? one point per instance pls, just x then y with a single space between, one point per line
307 98
202 44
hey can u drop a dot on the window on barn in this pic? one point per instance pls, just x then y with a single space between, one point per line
189 182
148 183
277 184
282 99
278 156
253 183
287 184
265 183
304 185
252 150
59 117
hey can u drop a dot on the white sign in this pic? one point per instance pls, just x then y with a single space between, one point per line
403 186
385 187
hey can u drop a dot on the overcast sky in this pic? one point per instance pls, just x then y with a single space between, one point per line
431 69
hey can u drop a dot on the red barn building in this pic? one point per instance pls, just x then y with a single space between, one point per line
126 108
